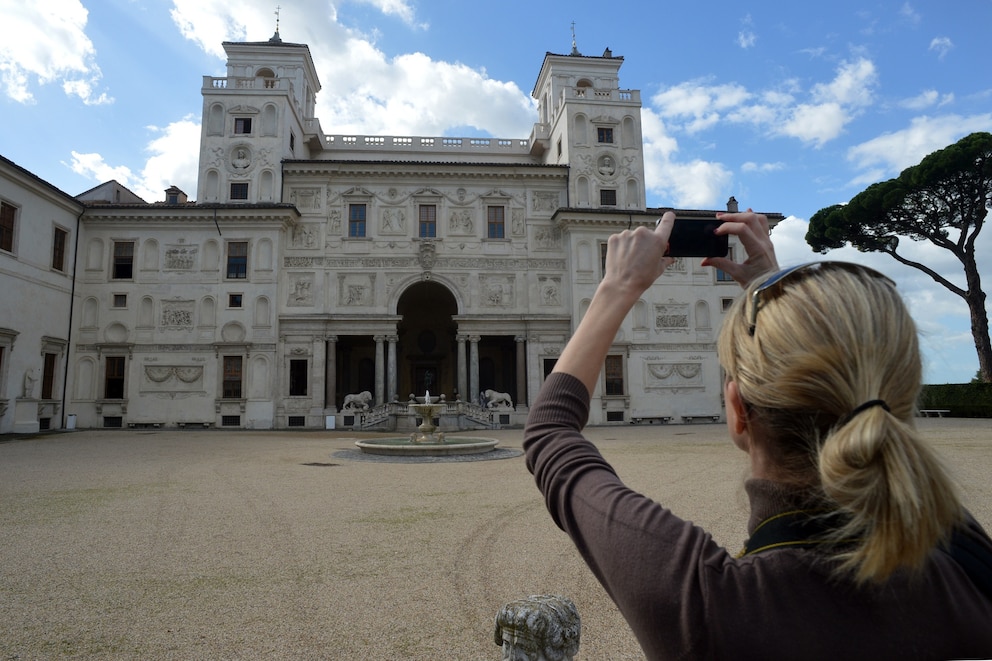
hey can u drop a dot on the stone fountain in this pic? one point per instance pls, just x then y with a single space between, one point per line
426 411
427 440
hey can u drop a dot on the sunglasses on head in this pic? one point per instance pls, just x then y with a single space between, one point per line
783 276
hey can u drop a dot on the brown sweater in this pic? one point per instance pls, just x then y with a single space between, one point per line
685 597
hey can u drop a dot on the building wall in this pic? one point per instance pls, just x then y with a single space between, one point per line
325 311
35 301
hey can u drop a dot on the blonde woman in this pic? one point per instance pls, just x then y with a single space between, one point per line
859 547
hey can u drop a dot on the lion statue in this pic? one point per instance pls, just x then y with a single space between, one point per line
497 400
357 402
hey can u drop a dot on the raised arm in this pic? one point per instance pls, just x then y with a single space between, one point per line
634 260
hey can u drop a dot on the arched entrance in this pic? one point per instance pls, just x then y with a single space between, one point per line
426 349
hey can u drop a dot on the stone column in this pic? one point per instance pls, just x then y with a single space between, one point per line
380 369
462 367
521 400
473 369
391 367
331 374
318 374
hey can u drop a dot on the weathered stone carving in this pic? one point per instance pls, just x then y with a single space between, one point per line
538 628
301 290
460 221
177 314
180 258
671 316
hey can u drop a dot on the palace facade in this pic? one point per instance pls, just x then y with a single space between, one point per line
316 268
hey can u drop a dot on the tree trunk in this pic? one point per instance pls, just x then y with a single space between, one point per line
975 298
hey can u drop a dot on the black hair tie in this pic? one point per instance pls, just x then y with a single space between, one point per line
864 407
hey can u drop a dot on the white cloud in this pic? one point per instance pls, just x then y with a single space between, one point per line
407 95
173 161
94 167
751 166
891 153
942 45
693 184
46 42
816 124
927 98
399 8
910 15
698 105
852 86
746 38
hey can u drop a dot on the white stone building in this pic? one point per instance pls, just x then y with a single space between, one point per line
315 266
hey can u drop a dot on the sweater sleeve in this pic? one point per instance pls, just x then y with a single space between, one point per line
651 562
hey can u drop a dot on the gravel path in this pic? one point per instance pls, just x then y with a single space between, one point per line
218 545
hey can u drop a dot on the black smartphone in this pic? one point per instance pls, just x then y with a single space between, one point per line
696 237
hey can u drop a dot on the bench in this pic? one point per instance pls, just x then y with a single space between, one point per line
144 425
933 413
708 416
184 425
650 419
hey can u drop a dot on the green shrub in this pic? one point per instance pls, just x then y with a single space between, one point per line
963 400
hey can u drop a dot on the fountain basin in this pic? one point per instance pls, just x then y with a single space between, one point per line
403 446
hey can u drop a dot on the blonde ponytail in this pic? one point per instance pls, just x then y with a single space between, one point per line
899 497
828 343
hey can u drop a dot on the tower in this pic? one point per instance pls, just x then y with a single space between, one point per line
588 122
259 115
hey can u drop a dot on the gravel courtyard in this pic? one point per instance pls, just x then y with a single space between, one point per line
220 545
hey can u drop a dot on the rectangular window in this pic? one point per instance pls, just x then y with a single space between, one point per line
237 260
120 300
614 375
602 259
608 197
496 222
8 216
297 378
604 134
58 249
232 377
428 221
123 268
113 384
356 219
723 276
48 376
235 300
242 124
239 191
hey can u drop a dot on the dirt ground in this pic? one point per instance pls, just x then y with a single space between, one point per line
219 545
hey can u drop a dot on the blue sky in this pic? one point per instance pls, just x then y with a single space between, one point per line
789 107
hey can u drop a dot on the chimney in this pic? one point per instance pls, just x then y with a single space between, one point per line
732 204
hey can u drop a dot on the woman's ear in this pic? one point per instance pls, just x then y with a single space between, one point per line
737 416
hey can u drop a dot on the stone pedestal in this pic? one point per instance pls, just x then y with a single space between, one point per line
26 416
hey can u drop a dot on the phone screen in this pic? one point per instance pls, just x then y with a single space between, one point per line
695 238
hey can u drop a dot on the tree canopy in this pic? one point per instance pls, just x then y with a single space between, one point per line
944 200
